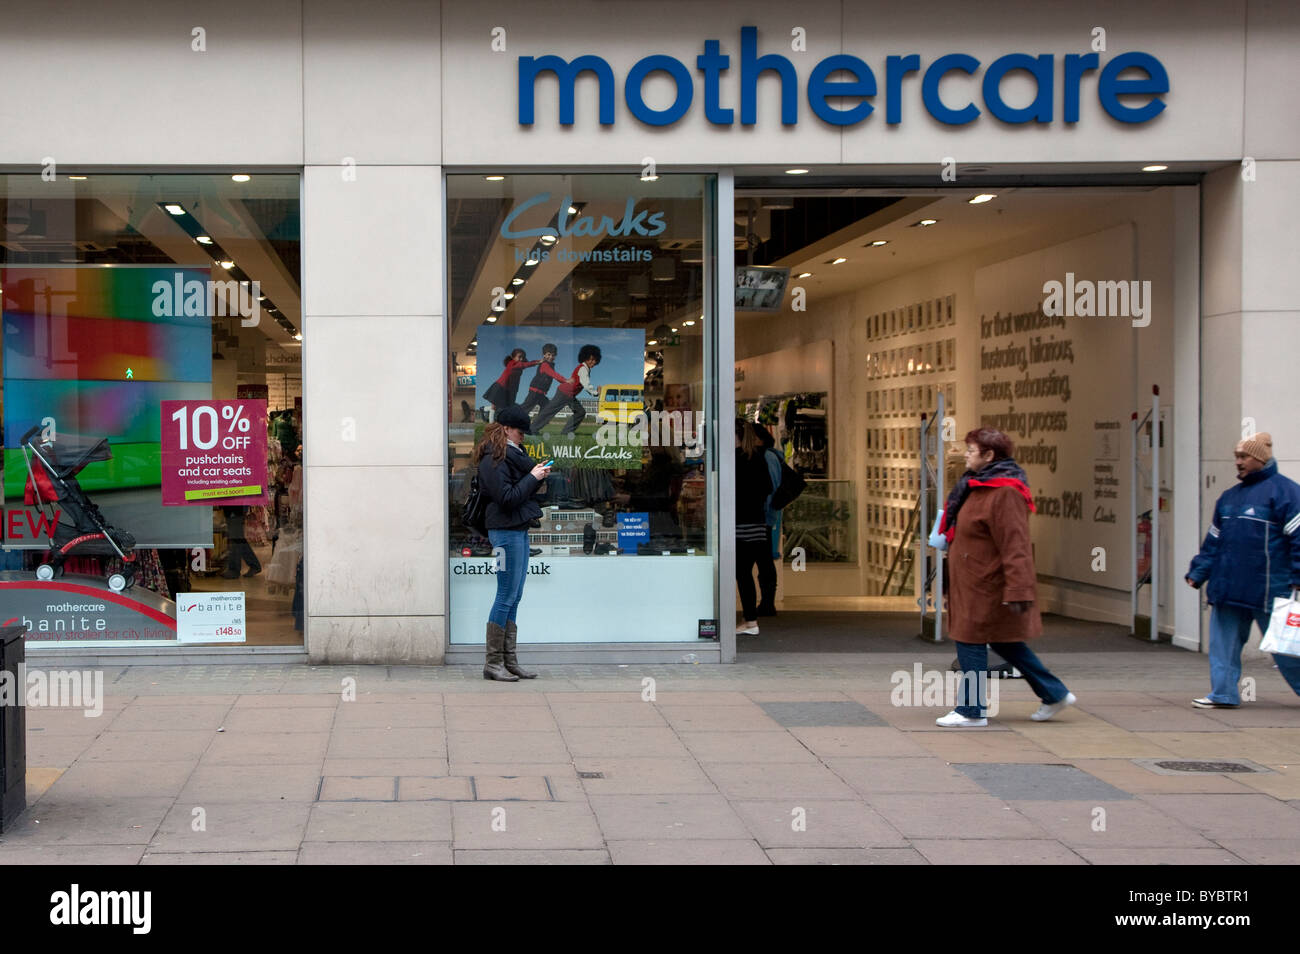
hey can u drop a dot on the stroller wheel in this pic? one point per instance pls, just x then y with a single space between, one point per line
45 572
117 582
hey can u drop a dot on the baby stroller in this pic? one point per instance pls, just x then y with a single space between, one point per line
75 526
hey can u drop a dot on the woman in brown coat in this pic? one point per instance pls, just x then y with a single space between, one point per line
992 586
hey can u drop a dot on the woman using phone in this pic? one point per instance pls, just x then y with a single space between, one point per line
510 480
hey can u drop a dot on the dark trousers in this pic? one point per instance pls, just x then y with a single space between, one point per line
767 577
534 399
748 555
553 407
974 659
240 552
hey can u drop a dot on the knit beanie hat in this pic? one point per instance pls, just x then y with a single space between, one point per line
1259 447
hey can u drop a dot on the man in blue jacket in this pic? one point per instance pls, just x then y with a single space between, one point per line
1251 556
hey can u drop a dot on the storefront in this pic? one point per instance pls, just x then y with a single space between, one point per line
409 196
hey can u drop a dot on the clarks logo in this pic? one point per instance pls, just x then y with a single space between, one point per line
77 907
569 222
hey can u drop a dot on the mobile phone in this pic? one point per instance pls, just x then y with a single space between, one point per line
548 463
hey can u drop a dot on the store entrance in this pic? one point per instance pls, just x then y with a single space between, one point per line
862 315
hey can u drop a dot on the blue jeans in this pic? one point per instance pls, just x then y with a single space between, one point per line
1229 631
974 659
512 571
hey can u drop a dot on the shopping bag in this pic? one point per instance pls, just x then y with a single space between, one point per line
1283 635
937 538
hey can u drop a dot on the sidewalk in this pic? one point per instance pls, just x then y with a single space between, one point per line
770 760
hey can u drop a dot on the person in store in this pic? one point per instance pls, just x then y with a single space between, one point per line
240 551
539 389
510 481
993 591
505 389
1251 556
566 395
772 517
753 541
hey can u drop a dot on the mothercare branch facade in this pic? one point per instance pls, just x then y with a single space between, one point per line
600 122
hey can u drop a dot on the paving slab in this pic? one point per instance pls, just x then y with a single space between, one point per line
56 751
227 826
220 858
374 853
39 779
531 825
358 788
446 788
499 788
530 857
265 748
1159 856
280 700
660 817
399 742
496 695
1224 817
510 746
901 774
606 714
503 719
689 718
86 779
624 742
976 745
1159 718
274 719
174 718
23 853
796 780
846 856
644 776
1119 824
148 746
397 715
705 851
746 747
379 821
954 816
88 820
180 696
821 713
1280 850
858 741
72 721
786 823
295 782
385 766
1011 781
987 851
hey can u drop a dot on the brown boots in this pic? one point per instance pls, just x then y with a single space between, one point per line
512 661
496 642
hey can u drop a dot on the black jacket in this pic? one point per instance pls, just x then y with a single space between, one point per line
509 486
753 487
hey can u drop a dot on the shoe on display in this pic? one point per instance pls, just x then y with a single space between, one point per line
1049 709
955 720
1205 702
747 629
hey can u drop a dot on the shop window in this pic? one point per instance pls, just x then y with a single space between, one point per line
152 409
582 299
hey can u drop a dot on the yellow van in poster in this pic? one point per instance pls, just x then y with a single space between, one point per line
618 402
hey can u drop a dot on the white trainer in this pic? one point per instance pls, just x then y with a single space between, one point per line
955 720
747 629
1046 710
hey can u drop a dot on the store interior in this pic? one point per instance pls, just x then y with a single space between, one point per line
897 298
92 354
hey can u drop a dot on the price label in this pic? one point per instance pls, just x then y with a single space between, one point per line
210 617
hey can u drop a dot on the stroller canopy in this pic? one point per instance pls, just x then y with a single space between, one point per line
69 453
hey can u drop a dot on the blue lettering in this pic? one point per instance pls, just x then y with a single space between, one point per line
711 63
1040 67
896 67
751 67
1110 87
681 103
819 88
930 89
507 232
1076 64
567 76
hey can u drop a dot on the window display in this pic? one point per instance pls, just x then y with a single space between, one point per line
148 377
582 300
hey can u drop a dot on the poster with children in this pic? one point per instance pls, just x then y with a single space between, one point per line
581 387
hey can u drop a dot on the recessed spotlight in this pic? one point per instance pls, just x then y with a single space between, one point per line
923 223
77 178
652 341
174 209
689 322
674 331
549 239
516 281
796 172
804 275
494 178
649 178
227 265
532 260
1155 168
203 239
491 319
508 295
982 198
297 336
573 210
837 261
240 177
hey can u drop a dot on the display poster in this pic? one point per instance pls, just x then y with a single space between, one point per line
210 618
214 452
89 354
76 610
633 530
594 424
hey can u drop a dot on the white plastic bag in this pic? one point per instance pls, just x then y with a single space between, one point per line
1283 634
937 539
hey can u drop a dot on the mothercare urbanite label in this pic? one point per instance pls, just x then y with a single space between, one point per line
214 452
210 617
78 609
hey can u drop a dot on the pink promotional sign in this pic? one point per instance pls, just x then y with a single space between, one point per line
214 453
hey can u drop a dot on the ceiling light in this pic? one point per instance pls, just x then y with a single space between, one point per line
573 210
204 239
652 341
240 177
76 178
796 172
837 261
982 198
508 295
227 265
174 209
491 319
1156 168
297 336
674 331
261 298
804 275
494 178
925 222
516 281
689 322
549 239
649 178
879 242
